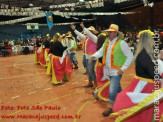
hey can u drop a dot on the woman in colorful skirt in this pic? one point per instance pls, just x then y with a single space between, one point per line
135 103
101 90
38 50
60 62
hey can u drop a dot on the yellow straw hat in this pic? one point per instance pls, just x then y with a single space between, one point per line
91 28
113 27
69 35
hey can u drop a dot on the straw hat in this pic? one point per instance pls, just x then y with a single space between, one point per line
69 35
113 27
91 28
104 34
58 34
69 32
51 40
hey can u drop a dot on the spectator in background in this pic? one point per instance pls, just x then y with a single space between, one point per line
27 41
131 43
11 42
19 42
2 45
6 43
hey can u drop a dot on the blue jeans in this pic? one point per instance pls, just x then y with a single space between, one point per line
84 61
115 87
91 70
73 58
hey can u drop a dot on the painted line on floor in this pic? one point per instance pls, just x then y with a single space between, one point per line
15 97
26 68
22 76
67 95
17 64
61 86
9 64
75 83
57 98
47 89
6 65
32 92
86 80
131 74
81 108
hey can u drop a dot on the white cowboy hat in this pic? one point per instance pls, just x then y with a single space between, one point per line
113 27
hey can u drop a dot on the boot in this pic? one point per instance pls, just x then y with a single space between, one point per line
72 66
95 84
76 66
95 95
107 112
89 85
85 73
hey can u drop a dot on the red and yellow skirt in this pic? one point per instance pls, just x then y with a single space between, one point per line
131 105
49 66
102 86
60 70
37 55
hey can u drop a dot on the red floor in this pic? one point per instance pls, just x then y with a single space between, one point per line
26 91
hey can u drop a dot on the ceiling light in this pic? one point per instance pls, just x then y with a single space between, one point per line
81 0
30 4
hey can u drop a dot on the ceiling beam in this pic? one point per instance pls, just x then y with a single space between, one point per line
49 4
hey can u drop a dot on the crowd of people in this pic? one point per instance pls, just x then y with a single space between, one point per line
12 47
112 55
112 52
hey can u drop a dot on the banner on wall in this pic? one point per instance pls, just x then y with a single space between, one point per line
49 18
